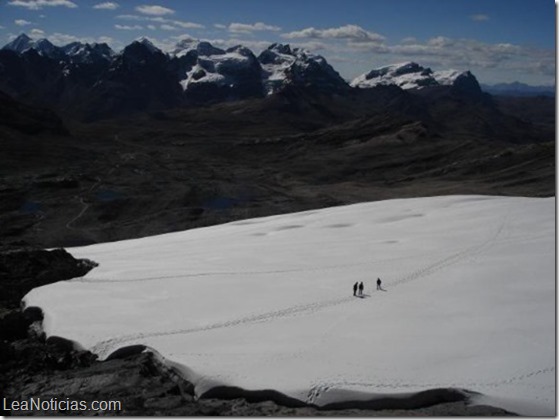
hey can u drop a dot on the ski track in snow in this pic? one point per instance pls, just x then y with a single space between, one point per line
427 385
454 258
104 347
431 268
107 345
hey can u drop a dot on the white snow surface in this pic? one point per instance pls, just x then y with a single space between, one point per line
406 75
209 77
277 74
468 301
215 69
447 77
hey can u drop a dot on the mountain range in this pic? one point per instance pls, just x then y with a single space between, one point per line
91 81
100 146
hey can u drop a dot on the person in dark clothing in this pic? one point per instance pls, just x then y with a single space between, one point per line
378 284
355 289
361 289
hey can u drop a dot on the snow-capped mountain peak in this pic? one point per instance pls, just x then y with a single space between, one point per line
408 75
148 44
280 48
229 70
204 48
283 65
24 43
19 44
88 53
448 77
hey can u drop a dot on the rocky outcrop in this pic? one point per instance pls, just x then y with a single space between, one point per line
466 84
22 269
139 385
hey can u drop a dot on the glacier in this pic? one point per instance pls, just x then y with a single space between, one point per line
468 301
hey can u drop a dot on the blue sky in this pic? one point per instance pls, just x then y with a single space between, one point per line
498 40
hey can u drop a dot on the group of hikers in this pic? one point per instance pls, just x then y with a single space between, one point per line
358 287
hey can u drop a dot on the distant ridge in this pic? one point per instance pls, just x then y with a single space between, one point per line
518 89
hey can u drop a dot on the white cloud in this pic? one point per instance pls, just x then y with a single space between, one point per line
22 22
39 4
469 54
338 59
129 28
182 37
353 33
37 32
409 40
374 47
187 25
173 22
248 28
441 42
58 38
63 39
220 26
105 39
479 18
131 17
167 27
255 46
109 5
152 27
177 23
154 10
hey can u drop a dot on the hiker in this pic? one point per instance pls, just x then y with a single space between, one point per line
361 289
355 289
378 284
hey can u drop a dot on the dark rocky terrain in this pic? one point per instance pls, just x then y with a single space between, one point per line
120 158
295 150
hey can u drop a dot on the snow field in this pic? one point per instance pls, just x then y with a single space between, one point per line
267 303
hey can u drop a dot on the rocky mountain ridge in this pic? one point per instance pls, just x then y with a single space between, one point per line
91 81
